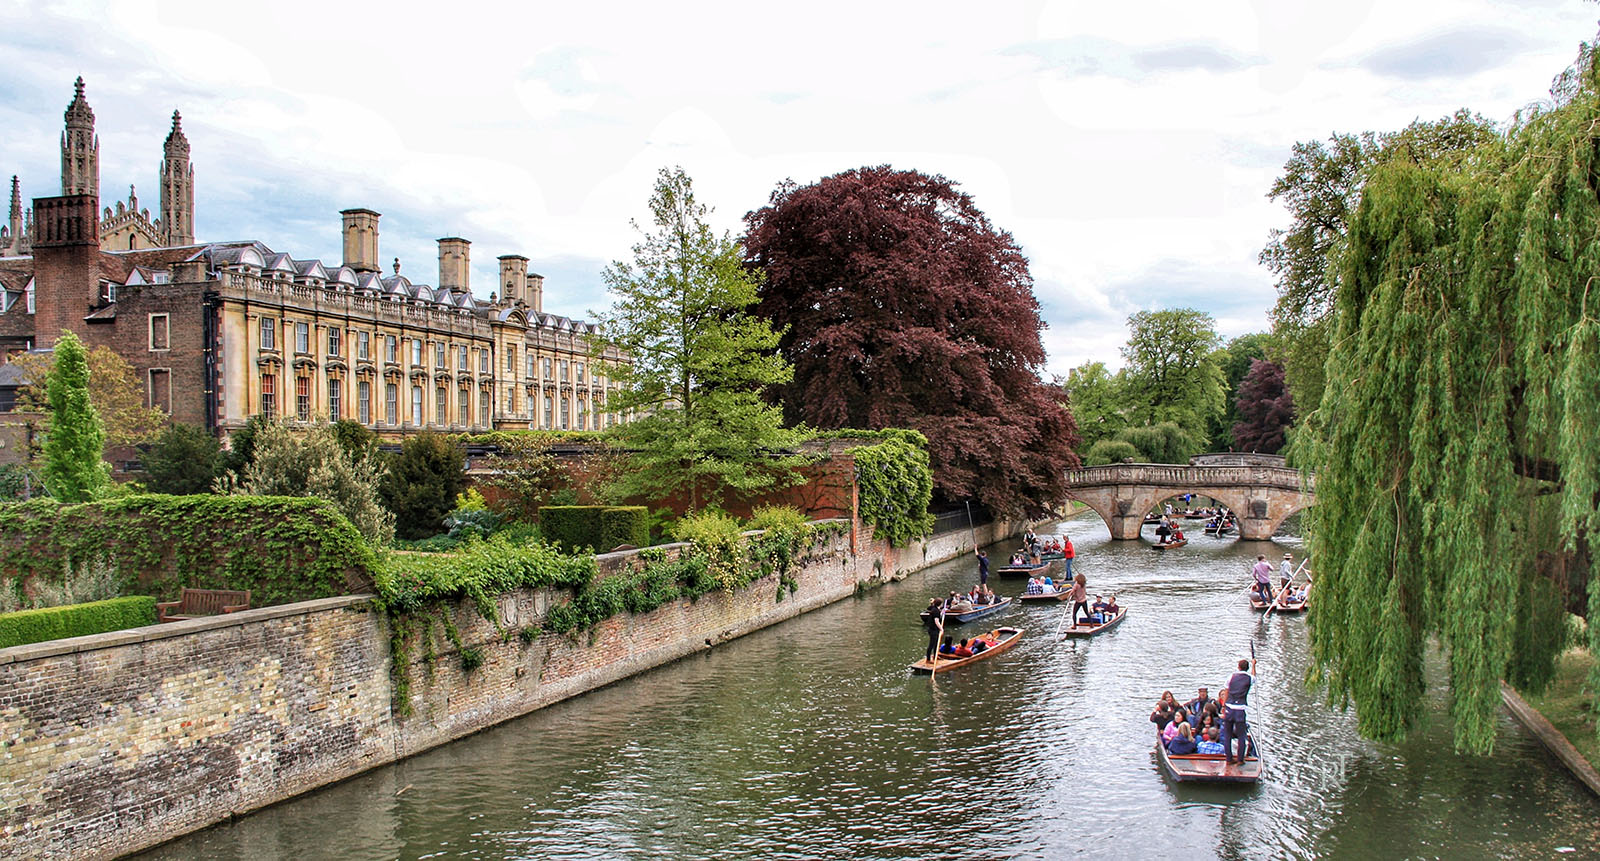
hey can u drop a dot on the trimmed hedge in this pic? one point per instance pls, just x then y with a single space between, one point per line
571 527
76 620
282 549
624 524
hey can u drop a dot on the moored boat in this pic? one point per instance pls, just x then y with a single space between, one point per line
1089 629
1210 767
1005 639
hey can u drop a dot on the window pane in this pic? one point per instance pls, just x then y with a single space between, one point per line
364 401
391 402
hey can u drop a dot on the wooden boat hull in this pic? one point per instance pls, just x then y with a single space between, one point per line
975 613
1025 570
1081 630
1007 637
1046 597
1261 606
1209 767
1170 545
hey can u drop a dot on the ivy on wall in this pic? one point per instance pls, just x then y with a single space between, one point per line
896 484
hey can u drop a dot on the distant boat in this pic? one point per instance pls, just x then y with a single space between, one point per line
1026 569
1210 767
1292 607
1006 637
977 612
1089 630
1045 597
1170 544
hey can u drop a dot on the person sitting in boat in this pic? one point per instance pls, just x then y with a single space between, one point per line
979 645
1033 587
962 605
963 650
1179 718
1111 607
1183 743
1177 534
948 648
1100 606
1162 714
1017 559
1202 698
1209 744
1049 585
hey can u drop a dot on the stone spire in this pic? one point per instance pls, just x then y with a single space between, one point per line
80 149
177 187
13 244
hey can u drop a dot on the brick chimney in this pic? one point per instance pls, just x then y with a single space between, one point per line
66 264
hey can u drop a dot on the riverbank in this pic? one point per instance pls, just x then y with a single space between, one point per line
118 742
1569 711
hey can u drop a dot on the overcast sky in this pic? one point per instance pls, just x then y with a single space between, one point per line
1128 147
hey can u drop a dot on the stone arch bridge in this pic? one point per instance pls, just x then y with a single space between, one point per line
1260 490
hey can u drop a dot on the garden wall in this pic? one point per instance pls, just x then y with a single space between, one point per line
117 742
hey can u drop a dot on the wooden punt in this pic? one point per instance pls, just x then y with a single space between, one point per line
1024 570
1209 767
1261 606
1007 637
975 613
1170 544
1089 630
1045 597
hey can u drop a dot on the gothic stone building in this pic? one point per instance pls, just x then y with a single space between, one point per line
220 332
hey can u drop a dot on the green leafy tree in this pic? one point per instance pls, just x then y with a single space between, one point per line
422 483
1099 402
73 468
1457 443
114 388
1234 359
356 440
1171 375
1164 442
699 364
1320 186
292 462
241 451
1111 451
525 474
184 459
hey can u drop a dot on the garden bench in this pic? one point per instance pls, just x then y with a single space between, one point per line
193 603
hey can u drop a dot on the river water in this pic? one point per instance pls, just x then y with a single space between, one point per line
812 740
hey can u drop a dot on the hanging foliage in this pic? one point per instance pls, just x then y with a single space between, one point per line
1459 432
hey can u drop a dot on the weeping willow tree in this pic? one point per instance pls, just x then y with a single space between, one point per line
1457 444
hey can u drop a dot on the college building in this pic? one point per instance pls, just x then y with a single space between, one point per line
219 332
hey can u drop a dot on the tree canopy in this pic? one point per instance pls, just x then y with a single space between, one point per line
1098 400
1457 442
114 389
421 483
901 305
1171 374
700 362
184 459
73 468
1265 409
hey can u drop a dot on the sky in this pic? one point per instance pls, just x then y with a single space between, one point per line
1127 147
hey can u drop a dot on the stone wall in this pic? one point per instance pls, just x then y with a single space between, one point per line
117 742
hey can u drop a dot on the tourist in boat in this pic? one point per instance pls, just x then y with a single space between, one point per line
1183 743
948 648
962 605
1179 718
1238 705
1100 607
1263 575
983 568
979 645
1080 596
1202 698
1017 559
1161 715
1177 534
1163 531
1209 744
933 620
1067 552
963 650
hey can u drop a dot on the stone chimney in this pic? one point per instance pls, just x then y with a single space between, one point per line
361 240
513 278
535 291
455 270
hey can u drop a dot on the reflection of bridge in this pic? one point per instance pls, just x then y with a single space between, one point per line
1260 490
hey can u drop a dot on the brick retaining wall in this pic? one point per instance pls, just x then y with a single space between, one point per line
118 742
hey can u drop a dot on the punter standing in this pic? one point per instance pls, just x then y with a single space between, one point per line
1066 555
1237 726
1263 572
932 619
983 568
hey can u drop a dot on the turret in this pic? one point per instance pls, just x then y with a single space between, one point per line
80 149
177 187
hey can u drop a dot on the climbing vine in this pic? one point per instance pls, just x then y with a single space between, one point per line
896 485
1459 433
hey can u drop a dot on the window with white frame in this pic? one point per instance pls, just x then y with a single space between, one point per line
364 345
335 342
364 402
302 337
160 333
269 334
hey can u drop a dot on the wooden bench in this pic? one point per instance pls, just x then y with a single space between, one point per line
202 602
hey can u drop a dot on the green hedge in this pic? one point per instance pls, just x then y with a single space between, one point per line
571 527
282 549
624 524
76 620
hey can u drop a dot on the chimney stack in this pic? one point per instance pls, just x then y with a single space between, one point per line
361 240
535 292
513 275
455 271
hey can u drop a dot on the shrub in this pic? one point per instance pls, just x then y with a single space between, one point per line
896 486
422 483
184 459
777 517
716 536
312 463
572 527
73 469
624 524
1111 451
481 571
76 620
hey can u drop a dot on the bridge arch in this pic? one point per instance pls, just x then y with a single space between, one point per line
1263 495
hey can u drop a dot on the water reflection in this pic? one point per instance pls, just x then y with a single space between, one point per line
812 740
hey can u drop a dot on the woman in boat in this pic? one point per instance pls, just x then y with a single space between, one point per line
948 649
1080 596
1179 718
1162 714
1183 743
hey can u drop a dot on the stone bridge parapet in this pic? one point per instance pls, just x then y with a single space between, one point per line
1262 496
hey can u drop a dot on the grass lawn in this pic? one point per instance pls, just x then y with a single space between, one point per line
1567 706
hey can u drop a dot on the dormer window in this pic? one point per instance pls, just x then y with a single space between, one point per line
108 292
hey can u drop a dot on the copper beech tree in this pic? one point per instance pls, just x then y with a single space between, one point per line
902 306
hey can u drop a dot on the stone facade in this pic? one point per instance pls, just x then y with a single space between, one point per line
220 332
1262 496
113 743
